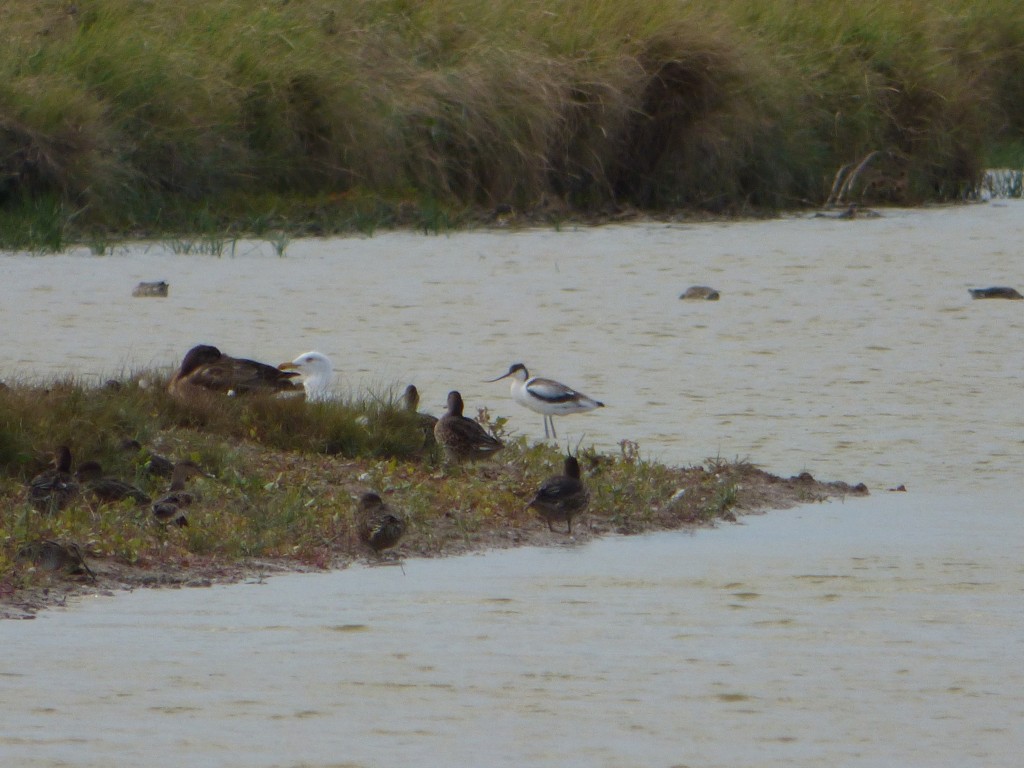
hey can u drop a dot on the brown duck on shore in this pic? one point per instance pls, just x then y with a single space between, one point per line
379 528
152 463
106 489
206 369
411 398
169 509
463 439
56 557
52 490
561 497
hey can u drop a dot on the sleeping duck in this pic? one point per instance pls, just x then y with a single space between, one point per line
206 369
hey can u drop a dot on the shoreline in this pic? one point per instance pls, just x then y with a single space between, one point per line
756 492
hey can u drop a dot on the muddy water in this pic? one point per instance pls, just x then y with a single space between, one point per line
850 349
874 632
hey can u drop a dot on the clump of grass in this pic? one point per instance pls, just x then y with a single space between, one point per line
208 246
322 117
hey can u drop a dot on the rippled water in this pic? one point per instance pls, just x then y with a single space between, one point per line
873 632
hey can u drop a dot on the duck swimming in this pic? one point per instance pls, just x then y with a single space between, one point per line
206 369
995 292
463 439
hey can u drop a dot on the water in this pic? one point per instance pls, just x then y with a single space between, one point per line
869 632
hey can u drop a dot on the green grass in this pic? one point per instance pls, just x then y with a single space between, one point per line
327 116
284 476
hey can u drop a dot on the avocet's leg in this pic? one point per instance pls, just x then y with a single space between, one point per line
553 433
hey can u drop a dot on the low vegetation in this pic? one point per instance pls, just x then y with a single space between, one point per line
120 117
284 476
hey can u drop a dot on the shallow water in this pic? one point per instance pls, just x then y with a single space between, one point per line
871 632
879 632
850 349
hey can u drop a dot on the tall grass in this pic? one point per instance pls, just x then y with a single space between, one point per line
327 115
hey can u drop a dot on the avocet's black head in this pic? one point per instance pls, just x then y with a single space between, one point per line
516 370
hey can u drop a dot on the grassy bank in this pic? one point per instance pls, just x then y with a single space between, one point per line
284 476
316 116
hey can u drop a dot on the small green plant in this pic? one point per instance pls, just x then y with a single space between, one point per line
279 240
207 246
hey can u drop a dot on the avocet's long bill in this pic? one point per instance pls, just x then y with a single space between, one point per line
546 396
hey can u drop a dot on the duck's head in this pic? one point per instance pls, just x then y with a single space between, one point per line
369 502
455 404
201 354
411 397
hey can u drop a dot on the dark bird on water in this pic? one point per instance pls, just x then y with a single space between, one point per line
170 508
463 439
562 497
53 489
379 528
104 488
207 369
701 293
995 292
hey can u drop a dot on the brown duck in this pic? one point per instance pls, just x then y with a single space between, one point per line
169 509
106 489
54 556
463 439
206 369
53 489
379 528
562 497
411 399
